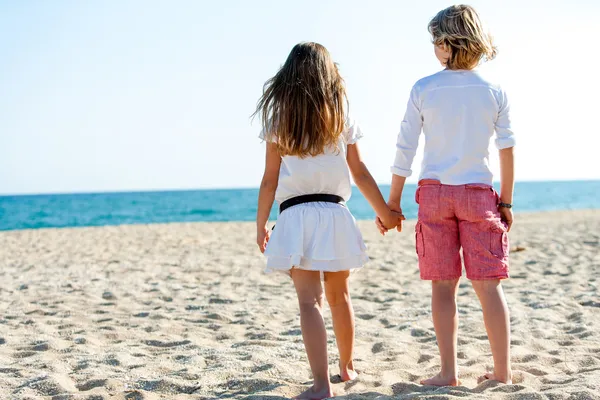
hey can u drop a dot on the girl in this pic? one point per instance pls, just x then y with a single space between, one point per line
458 111
311 151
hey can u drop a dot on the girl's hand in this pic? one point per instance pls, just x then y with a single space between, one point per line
262 238
506 215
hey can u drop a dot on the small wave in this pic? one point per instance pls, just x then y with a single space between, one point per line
201 211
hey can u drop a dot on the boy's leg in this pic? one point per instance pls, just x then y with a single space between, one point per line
445 322
438 250
310 298
485 248
338 297
497 325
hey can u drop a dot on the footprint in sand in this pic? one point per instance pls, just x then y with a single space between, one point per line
220 301
141 315
223 336
260 336
158 343
92 384
81 365
260 368
528 358
292 332
40 346
386 323
408 388
424 358
536 371
365 317
24 354
165 386
508 389
107 295
49 385
214 327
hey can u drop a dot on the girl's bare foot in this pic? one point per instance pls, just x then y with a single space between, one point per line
347 372
440 380
312 394
494 377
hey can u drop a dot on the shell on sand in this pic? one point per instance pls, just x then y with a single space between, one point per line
182 311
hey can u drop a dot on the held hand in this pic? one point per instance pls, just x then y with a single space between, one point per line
262 238
393 219
506 215
382 229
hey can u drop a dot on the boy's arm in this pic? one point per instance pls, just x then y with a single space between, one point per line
505 142
266 195
396 191
408 138
406 148
507 183
507 175
365 182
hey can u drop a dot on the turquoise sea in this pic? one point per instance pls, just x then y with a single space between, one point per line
97 209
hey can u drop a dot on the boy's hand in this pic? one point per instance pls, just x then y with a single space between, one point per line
506 215
262 238
393 219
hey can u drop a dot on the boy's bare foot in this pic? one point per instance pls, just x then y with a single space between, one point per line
493 377
348 373
440 380
312 394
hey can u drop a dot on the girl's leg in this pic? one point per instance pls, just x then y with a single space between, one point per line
445 322
497 325
338 297
310 298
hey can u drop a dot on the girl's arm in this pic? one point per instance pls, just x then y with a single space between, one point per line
266 195
365 182
507 183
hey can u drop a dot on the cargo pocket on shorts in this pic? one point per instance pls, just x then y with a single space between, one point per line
420 243
499 242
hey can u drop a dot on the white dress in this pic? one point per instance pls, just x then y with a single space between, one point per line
316 236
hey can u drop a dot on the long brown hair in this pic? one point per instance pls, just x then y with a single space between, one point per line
460 30
303 106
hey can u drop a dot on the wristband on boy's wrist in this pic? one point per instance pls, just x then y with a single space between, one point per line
505 205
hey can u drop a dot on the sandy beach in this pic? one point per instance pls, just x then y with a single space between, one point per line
184 311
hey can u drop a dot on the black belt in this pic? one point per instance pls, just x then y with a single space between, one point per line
310 198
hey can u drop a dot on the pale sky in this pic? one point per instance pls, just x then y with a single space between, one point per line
136 95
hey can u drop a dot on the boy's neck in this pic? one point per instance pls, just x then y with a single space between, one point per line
461 70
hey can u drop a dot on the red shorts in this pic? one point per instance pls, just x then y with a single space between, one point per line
455 216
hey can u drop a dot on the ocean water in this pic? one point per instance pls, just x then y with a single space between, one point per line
97 209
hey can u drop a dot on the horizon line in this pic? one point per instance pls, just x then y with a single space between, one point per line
224 188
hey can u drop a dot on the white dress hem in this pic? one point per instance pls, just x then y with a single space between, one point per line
286 264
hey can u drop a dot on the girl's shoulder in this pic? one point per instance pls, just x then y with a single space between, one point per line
352 131
267 133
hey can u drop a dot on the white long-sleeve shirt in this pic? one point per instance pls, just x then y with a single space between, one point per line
458 112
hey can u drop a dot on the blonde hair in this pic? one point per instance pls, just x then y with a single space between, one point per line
460 30
303 105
